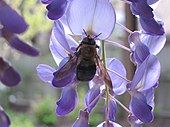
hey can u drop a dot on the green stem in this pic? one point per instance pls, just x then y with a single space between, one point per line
107 89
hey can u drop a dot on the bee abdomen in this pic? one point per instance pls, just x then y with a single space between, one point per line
86 70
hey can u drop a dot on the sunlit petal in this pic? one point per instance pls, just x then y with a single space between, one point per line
117 82
147 74
45 72
101 14
154 43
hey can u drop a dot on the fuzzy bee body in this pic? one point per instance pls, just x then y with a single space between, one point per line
85 62
86 65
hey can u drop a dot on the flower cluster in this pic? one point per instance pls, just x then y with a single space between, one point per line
9 31
95 20
11 24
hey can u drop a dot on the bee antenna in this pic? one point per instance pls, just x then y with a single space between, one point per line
97 35
85 32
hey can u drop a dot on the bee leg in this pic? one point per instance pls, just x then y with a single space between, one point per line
97 46
78 46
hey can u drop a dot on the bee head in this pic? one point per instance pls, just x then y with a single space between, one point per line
88 40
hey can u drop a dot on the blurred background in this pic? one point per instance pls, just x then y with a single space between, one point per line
33 103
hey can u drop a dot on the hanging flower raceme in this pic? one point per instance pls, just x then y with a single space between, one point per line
147 20
94 21
9 30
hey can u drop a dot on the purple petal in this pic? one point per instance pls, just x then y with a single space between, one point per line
152 26
45 72
79 17
147 75
149 94
150 2
68 100
140 108
65 41
46 1
110 124
154 43
56 9
141 8
106 13
90 96
141 53
8 75
82 121
23 47
17 25
139 50
119 84
60 43
134 122
95 81
4 119
66 79
112 110
57 50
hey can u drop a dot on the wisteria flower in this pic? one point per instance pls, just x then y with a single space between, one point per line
145 78
148 22
8 75
47 74
9 30
143 44
82 120
94 21
4 119
99 9
56 8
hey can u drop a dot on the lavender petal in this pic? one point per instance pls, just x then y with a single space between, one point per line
82 121
90 96
140 108
45 72
68 100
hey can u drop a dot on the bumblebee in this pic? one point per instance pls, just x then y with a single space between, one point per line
85 61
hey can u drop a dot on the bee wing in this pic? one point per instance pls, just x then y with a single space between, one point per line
67 68
103 73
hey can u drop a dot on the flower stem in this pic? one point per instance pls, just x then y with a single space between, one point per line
107 89
125 28
118 45
123 106
91 103
127 80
